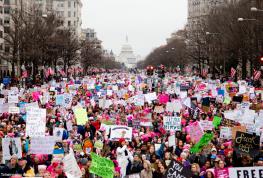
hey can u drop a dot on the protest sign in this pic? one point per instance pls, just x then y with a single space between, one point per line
36 122
149 97
12 98
228 123
176 169
206 138
59 99
174 106
172 123
98 144
247 143
246 172
118 132
101 166
157 146
136 123
195 131
58 133
221 173
67 100
158 109
11 146
81 116
206 125
71 167
216 121
226 133
43 145
171 141
13 110
139 100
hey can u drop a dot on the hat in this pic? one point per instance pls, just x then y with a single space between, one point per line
84 161
121 140
211 170
213 149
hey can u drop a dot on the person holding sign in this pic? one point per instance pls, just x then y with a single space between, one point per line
123 156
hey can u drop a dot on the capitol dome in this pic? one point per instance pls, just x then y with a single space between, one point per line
126 48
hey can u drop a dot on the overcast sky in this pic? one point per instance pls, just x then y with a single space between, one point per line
146 22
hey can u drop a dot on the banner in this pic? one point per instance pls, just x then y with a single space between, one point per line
118 132
36 122
176 169
42 145
247 143
206 138
172 123
11 146
71 167
102 167
81 116
246 172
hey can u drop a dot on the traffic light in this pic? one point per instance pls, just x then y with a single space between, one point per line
149 70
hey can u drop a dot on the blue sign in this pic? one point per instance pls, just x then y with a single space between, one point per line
6 80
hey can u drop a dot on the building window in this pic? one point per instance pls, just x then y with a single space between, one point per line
6 29
7 2
1 21
69 14
1 10
69 4
74 4
74 14
7 49
1 34
69 23
1 46
7 10
6 21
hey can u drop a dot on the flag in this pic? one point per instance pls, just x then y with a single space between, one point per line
256 74
233 72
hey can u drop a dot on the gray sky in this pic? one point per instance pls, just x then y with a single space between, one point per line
146 22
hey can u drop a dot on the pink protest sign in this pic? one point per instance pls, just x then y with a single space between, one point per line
195 131
163 98
221 173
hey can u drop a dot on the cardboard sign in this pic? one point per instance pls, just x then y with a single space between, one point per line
247 143
236 129
245 172
172 123
176 169
42 145
11 146
118 132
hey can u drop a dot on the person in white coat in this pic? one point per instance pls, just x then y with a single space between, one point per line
123 156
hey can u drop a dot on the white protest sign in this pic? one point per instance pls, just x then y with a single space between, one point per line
226 133
120 131
174 106
71 167
172 123
11 146
58 133
12 98
171 141
13 110
206 125
2 100
246 172
35 122
42 145
149 97
31 105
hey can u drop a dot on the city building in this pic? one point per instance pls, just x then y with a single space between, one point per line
127 56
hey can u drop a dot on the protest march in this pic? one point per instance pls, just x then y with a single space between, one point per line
130 125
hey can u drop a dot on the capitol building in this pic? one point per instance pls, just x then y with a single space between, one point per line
127 56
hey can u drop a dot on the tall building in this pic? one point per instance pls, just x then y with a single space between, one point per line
127 56
68 10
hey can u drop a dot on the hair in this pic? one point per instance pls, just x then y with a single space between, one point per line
197 167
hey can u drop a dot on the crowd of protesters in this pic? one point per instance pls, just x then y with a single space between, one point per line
140 156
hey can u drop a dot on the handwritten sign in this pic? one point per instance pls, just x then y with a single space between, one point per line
172 123
176 169
206 125
226 133
247 143
36 122
195 131
71 167
81 116
42 145
101 166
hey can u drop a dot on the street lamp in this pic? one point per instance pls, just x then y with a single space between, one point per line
242 19
254 9
209 33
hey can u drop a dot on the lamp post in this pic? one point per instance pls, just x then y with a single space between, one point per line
244 19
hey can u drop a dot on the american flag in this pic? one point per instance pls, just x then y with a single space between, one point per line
233 72
256 74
